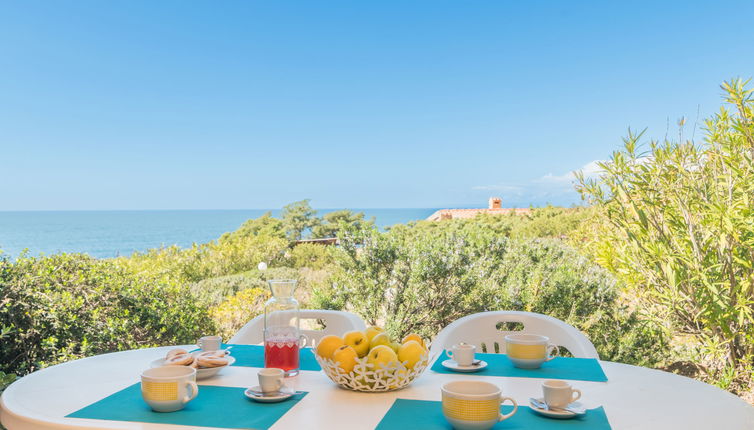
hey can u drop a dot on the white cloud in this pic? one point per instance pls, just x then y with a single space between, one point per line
590 170
550 188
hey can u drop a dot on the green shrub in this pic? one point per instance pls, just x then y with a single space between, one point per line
422 280
238 309
231 254
341 223
311 255
69 306
546 222
679 231
215 290
550 221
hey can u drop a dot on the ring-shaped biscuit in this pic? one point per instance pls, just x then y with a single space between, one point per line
176 351
216 354
206 361
179 360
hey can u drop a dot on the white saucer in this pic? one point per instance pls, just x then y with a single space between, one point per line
452 365
278 396
561 415
204 373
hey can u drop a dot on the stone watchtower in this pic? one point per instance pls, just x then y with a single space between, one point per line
495 203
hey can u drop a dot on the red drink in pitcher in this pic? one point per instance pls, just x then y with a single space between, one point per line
281 353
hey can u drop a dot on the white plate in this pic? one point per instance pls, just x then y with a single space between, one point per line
267 397
562 415
205 373
452 365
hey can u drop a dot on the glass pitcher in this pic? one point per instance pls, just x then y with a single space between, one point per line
282 334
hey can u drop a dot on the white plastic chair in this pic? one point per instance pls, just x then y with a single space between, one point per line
482 328
336 322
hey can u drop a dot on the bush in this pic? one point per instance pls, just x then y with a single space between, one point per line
422 280
311 255
236 299
69 306
238 309
678 230
546 222
216 290
231 254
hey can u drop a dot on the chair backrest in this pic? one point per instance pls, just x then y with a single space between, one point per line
335 322
483 328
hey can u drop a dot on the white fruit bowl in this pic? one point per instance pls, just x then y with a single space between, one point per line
364 377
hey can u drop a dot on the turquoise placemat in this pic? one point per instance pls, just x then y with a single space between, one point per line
253 356
427 415
581 369
225 407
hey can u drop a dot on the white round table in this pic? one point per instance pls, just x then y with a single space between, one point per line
633 398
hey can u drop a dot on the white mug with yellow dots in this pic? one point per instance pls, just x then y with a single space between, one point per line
473 405
529 351
169 388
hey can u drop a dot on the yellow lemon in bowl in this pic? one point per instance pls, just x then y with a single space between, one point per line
328 344
416 337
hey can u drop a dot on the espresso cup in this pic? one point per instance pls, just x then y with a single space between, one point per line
473 405
463 354
271 379
529 351
210 343
559 394
169 388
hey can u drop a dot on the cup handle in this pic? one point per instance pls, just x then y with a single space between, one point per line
449 353
281 384
302 341
515 408
552 351
578 395
194 391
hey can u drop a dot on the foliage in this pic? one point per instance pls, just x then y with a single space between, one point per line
550 221
299 217
216 290
232 253
5 378
680 230
236 299
238 309
69 306
265 225
312 255
341 223
420 281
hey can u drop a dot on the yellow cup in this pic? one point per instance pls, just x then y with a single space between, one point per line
473 405
529 351
169 388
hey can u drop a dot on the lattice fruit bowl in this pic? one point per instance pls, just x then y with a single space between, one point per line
365 377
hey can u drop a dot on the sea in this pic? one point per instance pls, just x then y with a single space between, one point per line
108 234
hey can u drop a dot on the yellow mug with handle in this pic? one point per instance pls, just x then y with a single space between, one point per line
474 405
529 351
169 388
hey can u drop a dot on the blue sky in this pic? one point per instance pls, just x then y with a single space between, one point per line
220 105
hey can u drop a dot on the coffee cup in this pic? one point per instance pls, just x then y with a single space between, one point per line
529 351
169 388
462 354
210 343
474 405
271 379
559 394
